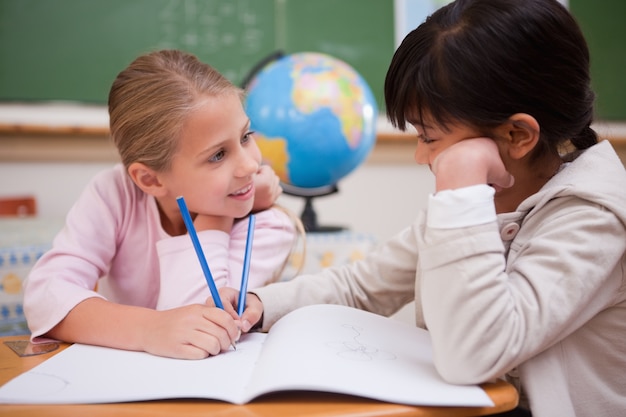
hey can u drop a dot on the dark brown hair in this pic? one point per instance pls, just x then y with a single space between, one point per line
481 61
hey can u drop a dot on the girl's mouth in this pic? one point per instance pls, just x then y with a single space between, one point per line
244 192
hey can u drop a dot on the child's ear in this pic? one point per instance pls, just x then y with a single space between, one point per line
145 178
522 134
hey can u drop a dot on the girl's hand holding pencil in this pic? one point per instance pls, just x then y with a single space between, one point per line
190 332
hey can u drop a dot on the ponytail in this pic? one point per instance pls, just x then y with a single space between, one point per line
585 139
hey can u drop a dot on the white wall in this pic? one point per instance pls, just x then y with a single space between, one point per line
380 199
376 199
55 184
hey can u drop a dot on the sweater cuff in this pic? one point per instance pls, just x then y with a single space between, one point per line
462 207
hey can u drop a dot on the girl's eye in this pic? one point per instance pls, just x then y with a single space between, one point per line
218 156
247 137
424 139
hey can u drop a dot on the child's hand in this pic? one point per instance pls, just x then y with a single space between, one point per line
267 188
190 332
253 312
471 162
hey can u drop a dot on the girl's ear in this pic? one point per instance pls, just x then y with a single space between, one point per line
521 132
146 179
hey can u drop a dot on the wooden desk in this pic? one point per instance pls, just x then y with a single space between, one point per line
284 404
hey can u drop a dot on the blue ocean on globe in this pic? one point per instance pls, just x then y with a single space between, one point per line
314 118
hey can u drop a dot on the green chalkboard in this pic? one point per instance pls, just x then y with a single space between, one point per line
604 25
73 49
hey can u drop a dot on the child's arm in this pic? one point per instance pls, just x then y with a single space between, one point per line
275 235
182 279
191 332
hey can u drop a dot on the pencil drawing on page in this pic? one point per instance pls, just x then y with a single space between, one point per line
354 349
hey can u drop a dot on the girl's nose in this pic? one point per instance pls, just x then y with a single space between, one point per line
250 167
248 164
421 155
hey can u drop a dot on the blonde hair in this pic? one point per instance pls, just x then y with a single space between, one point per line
150 100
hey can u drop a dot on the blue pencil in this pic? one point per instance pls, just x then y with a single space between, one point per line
196 244
246 267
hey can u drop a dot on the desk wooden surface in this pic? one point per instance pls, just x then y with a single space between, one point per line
284 404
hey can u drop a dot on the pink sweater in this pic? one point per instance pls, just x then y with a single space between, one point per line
113 237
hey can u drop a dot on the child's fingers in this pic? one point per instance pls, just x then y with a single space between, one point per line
221 326
252 313
504 180
228 296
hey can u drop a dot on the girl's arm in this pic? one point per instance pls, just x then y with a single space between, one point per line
275 235
182 278
383 282
488 308
486 316
191 332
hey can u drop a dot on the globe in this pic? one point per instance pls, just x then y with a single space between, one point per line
314 119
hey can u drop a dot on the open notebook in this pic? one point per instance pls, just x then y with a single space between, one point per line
317 348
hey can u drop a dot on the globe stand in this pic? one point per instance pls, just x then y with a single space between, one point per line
308 215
